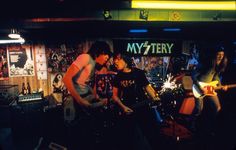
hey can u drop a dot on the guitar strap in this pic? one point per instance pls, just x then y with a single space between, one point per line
217 78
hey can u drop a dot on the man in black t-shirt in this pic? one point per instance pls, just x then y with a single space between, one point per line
137 127
131 84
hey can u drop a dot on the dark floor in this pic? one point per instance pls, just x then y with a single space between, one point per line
37 130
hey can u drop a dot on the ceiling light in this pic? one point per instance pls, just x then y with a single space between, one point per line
185 5
20 40
14 34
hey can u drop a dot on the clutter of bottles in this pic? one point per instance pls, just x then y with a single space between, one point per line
26 89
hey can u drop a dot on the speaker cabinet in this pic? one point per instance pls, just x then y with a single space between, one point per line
27 118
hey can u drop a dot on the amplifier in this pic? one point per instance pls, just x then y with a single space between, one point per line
27 118
30 97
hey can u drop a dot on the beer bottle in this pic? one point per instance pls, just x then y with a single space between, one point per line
28 88
23 91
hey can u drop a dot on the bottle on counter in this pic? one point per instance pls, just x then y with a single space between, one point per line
28 88
24 90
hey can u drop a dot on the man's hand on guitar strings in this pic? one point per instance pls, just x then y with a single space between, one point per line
156 98
225 88
127 110
103 101
99 103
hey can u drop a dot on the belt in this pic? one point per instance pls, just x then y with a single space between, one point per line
86 94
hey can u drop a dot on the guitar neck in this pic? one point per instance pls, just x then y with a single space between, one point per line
229 86
140 104
146 102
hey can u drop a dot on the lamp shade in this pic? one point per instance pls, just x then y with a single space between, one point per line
14 34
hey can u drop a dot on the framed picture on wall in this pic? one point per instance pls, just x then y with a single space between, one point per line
20 61
3 64
57 83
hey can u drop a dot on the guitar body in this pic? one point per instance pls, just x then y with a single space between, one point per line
72 110
69 109
209 87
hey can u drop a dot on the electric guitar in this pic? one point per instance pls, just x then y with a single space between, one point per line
73 111
210 88
69 109
149 103
154 105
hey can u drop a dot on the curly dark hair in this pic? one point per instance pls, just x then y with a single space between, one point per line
210 62
99 47
127 59
222 66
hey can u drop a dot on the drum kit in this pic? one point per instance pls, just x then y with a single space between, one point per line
178 103
175 101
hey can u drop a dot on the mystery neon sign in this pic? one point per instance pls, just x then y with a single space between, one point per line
148 48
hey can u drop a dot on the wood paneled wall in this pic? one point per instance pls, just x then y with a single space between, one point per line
45 85
33 80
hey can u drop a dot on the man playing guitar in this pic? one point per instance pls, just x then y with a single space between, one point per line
130 85
206 80
79 81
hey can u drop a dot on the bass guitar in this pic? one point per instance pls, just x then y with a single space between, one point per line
210 88
149 103
73 111
155 106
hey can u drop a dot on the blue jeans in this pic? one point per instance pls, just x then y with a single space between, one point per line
207 109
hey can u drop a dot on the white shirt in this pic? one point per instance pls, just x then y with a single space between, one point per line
85 65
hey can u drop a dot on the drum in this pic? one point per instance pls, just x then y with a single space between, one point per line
188 104
171 100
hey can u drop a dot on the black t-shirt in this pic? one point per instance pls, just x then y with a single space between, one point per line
130 85
104 84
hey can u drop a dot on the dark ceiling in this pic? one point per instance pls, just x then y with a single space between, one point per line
57 8
85 28
117 29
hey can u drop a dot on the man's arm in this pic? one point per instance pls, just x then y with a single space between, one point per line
217 78
117 100
67 79
143 81
152 93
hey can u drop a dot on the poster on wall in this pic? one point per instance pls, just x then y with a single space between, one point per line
58 87
57 83
57 58
20 61
41 65
155 67
3 64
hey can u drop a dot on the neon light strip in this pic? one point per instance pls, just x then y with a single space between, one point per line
138 30
185 5
172 29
